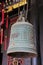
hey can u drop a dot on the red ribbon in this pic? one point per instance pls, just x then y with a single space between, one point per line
7 22
2 16
5 43
9 60
1 36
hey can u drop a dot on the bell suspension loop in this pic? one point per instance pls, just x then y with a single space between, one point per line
21 14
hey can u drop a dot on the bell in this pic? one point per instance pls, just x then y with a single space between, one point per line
21 42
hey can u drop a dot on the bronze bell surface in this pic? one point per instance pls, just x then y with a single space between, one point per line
21 43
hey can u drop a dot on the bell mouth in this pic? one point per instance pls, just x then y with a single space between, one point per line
22 54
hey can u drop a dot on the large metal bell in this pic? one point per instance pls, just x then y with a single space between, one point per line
21 42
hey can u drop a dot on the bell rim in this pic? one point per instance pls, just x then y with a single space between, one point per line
26 54
32 51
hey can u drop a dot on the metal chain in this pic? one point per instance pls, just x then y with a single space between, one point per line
19 8
27 10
